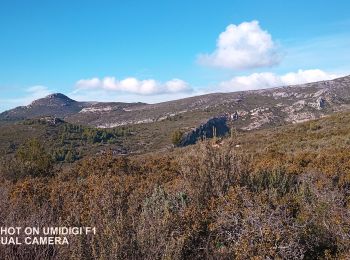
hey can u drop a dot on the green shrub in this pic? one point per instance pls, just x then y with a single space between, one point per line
176 137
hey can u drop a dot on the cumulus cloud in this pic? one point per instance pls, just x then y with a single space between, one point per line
243 46
268 80
135 86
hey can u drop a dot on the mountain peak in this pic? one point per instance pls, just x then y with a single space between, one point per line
57 99
56 105
58 96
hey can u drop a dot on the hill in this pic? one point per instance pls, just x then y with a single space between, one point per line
253 109
278 193
140 128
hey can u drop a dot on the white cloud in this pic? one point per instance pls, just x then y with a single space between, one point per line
32 93
107 96
243 46
135 86
36 92
268 80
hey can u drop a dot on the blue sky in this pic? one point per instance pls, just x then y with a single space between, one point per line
160 50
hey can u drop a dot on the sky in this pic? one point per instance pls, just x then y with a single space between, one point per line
158 50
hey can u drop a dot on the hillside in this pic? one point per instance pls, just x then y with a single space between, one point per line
254 109
64 141
279 193
58 105
267 174
147 127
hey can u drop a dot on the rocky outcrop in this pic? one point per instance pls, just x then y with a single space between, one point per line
234 116
321 102
216 126
51 120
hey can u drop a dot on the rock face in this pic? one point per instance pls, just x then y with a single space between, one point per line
321 102
234 116
216 126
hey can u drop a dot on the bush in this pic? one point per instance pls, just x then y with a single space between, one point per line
176 137
30 160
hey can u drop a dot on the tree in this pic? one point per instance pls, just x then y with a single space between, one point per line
35 160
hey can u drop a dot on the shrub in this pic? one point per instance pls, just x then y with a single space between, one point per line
176 137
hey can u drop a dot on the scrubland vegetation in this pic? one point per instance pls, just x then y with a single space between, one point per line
282 193
64 142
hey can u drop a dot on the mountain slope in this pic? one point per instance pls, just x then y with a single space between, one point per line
57 105
278 193
251 109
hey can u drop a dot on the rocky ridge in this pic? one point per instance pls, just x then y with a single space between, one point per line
252 109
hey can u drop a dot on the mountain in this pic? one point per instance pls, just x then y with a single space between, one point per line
57 105
251 109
